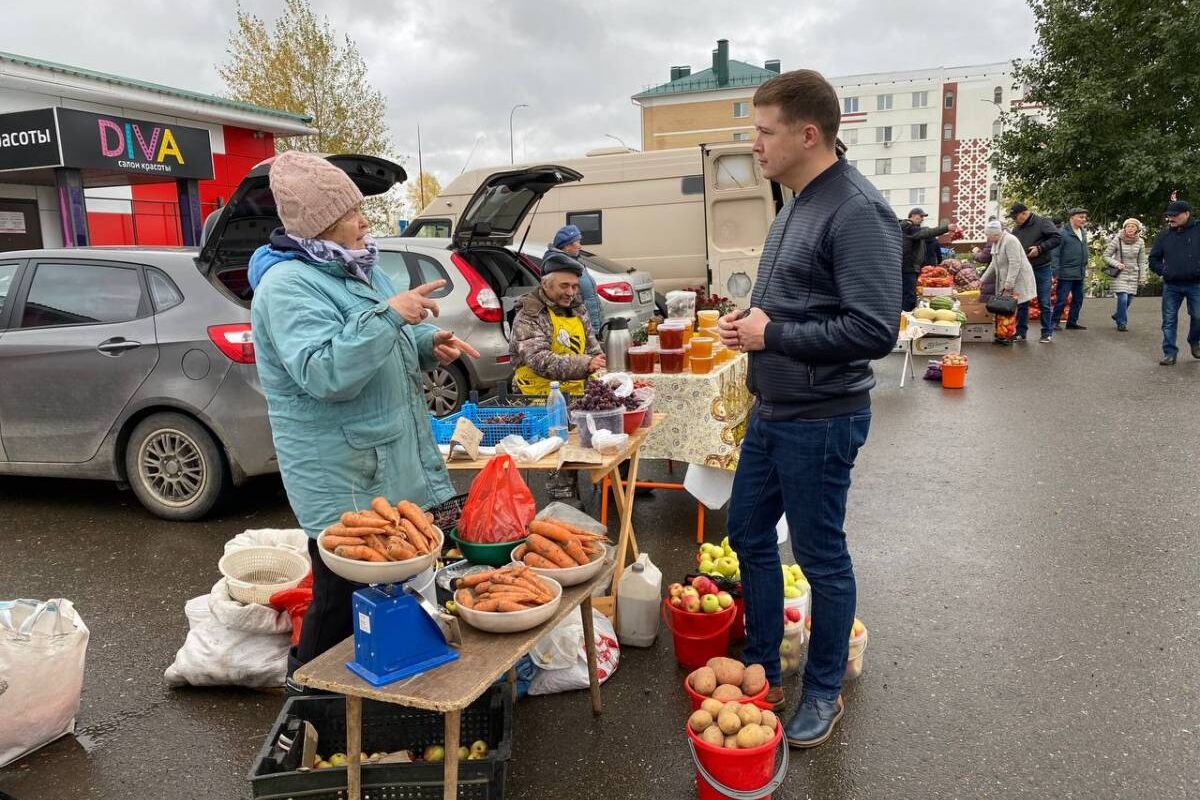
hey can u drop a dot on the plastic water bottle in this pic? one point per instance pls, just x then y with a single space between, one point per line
556 411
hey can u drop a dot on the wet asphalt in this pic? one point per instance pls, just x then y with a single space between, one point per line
1027 554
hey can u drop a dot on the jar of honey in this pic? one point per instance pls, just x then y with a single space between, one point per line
641 360
708 319
702 346
670 361
670 337
701 365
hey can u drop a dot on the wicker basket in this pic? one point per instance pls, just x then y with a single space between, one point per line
256 573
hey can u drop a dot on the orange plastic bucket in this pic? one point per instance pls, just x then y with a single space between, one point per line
698 637
725 774
954 376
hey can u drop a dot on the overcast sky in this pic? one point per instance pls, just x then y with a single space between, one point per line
457 67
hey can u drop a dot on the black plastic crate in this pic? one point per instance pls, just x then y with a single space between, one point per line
389 727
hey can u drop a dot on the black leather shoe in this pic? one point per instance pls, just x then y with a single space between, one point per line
813 722
1196 351
1071 327
1124 328
1167 361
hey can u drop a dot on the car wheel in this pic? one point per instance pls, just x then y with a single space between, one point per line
446 389
175 467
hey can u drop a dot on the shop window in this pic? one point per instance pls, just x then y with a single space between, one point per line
741 110
849 105
947 163
590 224
691 184
82 294
883 102
883 166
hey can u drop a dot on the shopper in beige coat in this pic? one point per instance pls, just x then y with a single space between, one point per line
1127 252
1011 272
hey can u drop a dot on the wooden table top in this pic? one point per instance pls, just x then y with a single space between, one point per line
550 462
482 658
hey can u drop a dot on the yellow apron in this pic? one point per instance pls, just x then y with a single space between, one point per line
567 337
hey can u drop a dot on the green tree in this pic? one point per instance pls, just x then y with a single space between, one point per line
1120 86
300 64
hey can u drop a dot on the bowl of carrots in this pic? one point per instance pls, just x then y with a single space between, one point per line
561 551
385 544
507 600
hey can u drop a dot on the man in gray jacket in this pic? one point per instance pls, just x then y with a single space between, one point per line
1070 261
826 302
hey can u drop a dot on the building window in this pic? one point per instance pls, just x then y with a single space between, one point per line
849 105
948 131
945 194
998 95
883 102
883 134
916 196
590 224
994 192
883 166
916 164
741 110
947 164
949 99
997 128
741 137
887 194
851 136
691 184
919 132
920 100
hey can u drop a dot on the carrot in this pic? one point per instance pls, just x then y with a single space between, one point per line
378 544
477 578
592 549
339 529
415 537
331 543
548 549
575 530
429 516
509 605
382 507
487 605
541 562
413 513
551 531
363 519
397 550
575 551
360 552
519 553
464 598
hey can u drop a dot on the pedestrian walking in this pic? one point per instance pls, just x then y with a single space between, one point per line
1012 275
826 302
340 353
1039 237
1070 265
1175 257
1128 255
916 236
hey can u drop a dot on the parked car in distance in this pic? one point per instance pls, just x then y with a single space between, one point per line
624 291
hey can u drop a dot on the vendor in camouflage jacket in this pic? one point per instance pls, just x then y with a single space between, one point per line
552 337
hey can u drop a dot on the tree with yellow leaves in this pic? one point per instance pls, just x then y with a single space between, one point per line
421 191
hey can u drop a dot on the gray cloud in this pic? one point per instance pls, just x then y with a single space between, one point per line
457 68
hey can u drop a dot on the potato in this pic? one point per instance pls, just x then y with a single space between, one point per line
753 679
703 680
732 707
768 733
699 720
750 714
750 736
729 723
726 692
712 735
731 742
712 706
769 720
727 670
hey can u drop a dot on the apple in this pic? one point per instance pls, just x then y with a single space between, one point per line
725 599
675 589
708 566
463 752
792 592
786 647
727 566
690 591
709 604
435 752
692 603
479 747
704 585
677 601
793 614
797 573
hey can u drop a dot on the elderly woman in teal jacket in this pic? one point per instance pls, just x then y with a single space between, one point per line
340 355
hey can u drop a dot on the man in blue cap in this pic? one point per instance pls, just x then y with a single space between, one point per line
568 243
1175 258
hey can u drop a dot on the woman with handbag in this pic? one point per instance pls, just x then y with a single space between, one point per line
1126 257
1012 275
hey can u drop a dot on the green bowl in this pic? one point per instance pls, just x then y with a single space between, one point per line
493 555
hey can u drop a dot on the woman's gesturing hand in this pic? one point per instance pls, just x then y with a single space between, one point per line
448 348
415 305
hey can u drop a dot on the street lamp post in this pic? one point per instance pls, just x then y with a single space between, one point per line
617 139
512 159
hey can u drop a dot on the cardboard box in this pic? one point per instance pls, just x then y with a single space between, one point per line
936 345
934 291
978 332
934 330
976 311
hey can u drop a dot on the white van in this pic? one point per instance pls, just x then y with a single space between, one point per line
689 217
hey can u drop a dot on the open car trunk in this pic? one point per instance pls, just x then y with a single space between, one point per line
233 232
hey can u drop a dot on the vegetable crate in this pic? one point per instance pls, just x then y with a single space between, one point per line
494 424
387 727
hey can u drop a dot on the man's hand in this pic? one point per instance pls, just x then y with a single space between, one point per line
744 333
1033 252
448 348
597 362
415 305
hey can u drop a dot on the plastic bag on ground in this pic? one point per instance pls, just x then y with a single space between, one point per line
231 643
561 659
572 516
291 538
43 646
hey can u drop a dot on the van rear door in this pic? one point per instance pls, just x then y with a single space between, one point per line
739 206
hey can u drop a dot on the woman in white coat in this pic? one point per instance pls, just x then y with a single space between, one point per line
1013 276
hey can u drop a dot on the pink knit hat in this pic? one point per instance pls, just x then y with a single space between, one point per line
310 193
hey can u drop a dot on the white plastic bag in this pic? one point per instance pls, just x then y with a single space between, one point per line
291 538
561 659
231 643
525 453
620 382
42 650
572 516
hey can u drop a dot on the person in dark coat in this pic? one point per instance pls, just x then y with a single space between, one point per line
1175 258
1070 260
915 237
1039 236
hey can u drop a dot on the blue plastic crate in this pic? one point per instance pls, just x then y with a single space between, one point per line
443 427
535 426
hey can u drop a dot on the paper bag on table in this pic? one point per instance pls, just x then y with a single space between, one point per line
466 438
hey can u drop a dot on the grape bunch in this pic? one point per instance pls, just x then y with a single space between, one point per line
506 419
597 396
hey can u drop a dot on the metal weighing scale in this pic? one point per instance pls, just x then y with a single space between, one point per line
395 636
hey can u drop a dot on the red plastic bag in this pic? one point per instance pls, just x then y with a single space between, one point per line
499 506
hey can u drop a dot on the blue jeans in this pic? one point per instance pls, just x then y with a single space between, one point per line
800 468
1075 289
1124 299
1043 276
1173 296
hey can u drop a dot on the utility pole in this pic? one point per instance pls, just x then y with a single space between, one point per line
420 169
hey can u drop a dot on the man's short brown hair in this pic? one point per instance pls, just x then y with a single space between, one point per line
803 95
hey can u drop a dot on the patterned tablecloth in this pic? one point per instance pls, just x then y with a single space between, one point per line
706 416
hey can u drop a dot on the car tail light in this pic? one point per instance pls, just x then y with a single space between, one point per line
235 341
620 292
480 297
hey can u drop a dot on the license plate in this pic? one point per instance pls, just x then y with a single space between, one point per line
645 295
